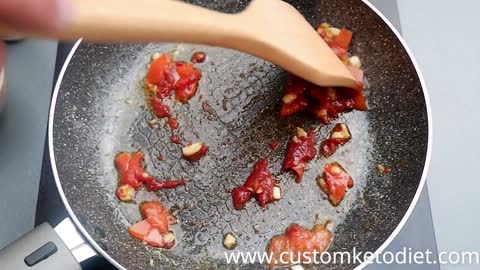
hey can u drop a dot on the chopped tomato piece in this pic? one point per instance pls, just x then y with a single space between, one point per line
154 185
188 74
172 123
299 104
165 76
161 110
171 76
129 167
175 139
340 135
158 218
154 208
186 86
340 43
145 232
154 238
325 103
335 182
156 73
300 150
259 184
240 196
185 93
297 241
293 99
343 39
198 57
132 173
154 230
140 229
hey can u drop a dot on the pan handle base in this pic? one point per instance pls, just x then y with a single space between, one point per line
74 240
40 249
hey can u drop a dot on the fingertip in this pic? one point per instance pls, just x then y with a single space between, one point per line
64 13
45 15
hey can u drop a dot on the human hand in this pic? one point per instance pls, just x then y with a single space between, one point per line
37 15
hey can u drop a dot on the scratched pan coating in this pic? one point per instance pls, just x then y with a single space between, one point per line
235 112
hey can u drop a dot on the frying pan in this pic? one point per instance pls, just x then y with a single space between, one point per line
235 113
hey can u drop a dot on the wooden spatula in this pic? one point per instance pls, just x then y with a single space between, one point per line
269 29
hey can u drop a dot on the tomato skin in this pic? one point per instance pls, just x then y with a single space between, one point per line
175 139
329 146
198 57
341 43
154 238
159 222
294 86
186 93
188 75
132 173
259 185
298 105
140 229
156 73
161 110
240 196
154 208
343 39
129 166
335 182
152 229
186 86
299 152
297 240
172 123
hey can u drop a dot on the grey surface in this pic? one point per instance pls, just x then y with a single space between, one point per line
12 257
451 70
22 134
418 233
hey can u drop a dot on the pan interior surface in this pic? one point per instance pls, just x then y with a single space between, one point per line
235 113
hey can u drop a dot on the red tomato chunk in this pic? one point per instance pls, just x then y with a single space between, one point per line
340 135
335 182
132 174
198 57
325 103
300 150
172 123
165 76
154 229
161 110
297 241
259 184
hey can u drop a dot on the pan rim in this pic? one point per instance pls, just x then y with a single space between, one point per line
379 250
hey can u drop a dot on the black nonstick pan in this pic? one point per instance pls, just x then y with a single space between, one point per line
91 122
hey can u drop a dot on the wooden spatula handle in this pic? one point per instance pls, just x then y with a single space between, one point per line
146 20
